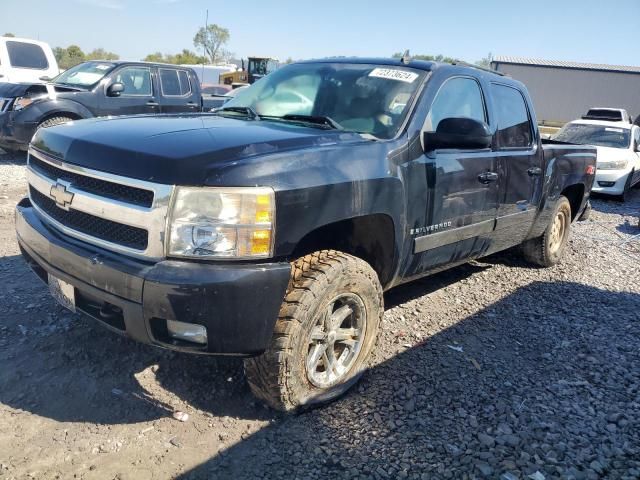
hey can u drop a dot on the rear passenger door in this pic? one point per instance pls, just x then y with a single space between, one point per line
520 165
138 95
178 93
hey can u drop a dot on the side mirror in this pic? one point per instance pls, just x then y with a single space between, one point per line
460 133
115 89
45 78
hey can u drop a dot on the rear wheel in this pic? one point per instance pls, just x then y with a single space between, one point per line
50 122
547 249
326 329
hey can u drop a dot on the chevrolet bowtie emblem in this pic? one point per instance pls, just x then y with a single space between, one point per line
62 197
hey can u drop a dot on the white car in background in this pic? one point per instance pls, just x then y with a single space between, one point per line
618 144
26 61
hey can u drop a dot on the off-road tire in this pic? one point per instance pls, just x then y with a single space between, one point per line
279 376
543 250
53 121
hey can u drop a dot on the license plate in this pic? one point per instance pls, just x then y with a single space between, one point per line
63 292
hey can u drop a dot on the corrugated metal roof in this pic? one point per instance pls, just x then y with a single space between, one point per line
561 64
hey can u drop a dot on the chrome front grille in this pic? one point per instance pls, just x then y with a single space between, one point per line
114 191
117 213
4 104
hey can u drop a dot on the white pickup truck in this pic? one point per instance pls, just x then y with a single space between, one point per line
618 144
24 60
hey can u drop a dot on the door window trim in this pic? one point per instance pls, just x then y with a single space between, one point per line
12 66
175 70
468 77
148 69
532 147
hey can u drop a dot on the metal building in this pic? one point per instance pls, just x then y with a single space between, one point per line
564 91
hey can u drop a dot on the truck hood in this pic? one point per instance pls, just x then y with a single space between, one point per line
13 90
178 149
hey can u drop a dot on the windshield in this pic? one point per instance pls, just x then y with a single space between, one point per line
598 135
359 98
84 75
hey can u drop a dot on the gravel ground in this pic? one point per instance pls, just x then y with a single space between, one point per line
490 370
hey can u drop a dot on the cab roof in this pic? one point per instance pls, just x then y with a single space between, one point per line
427 66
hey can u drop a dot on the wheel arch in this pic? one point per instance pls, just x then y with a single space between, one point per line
61 113
575 194
370 237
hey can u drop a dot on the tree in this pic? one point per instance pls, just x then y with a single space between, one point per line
68 57
9 35
429 58
212 39
186 57
101 54
156 57
486 61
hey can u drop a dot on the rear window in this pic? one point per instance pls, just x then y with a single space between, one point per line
514 126
175 83
604 114
27 55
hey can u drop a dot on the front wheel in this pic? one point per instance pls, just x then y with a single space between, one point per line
326 329
547 249
53 121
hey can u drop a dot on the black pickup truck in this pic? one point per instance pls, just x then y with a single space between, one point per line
96 89
270 228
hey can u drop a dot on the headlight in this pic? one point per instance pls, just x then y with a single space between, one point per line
222 222
613 165
22 102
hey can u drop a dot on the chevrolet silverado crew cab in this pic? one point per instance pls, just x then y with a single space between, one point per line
270 228
95 89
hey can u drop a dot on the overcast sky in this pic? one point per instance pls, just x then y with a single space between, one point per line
579 30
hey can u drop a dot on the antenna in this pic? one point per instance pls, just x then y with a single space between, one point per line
204 46
406 57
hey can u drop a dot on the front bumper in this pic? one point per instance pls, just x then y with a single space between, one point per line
15 135
237 303
610 182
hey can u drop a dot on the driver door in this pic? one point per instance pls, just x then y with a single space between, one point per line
453 199
139 95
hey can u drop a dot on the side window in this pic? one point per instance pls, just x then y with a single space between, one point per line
458 97
175 83
27 55
136 80
514 125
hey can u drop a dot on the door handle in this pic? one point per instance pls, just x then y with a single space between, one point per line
487 177
534 171
151 103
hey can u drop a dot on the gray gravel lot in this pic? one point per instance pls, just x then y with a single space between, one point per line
490 370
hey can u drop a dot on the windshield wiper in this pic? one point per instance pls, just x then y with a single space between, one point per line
248 111
317 119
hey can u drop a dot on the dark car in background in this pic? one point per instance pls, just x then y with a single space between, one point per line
96 89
